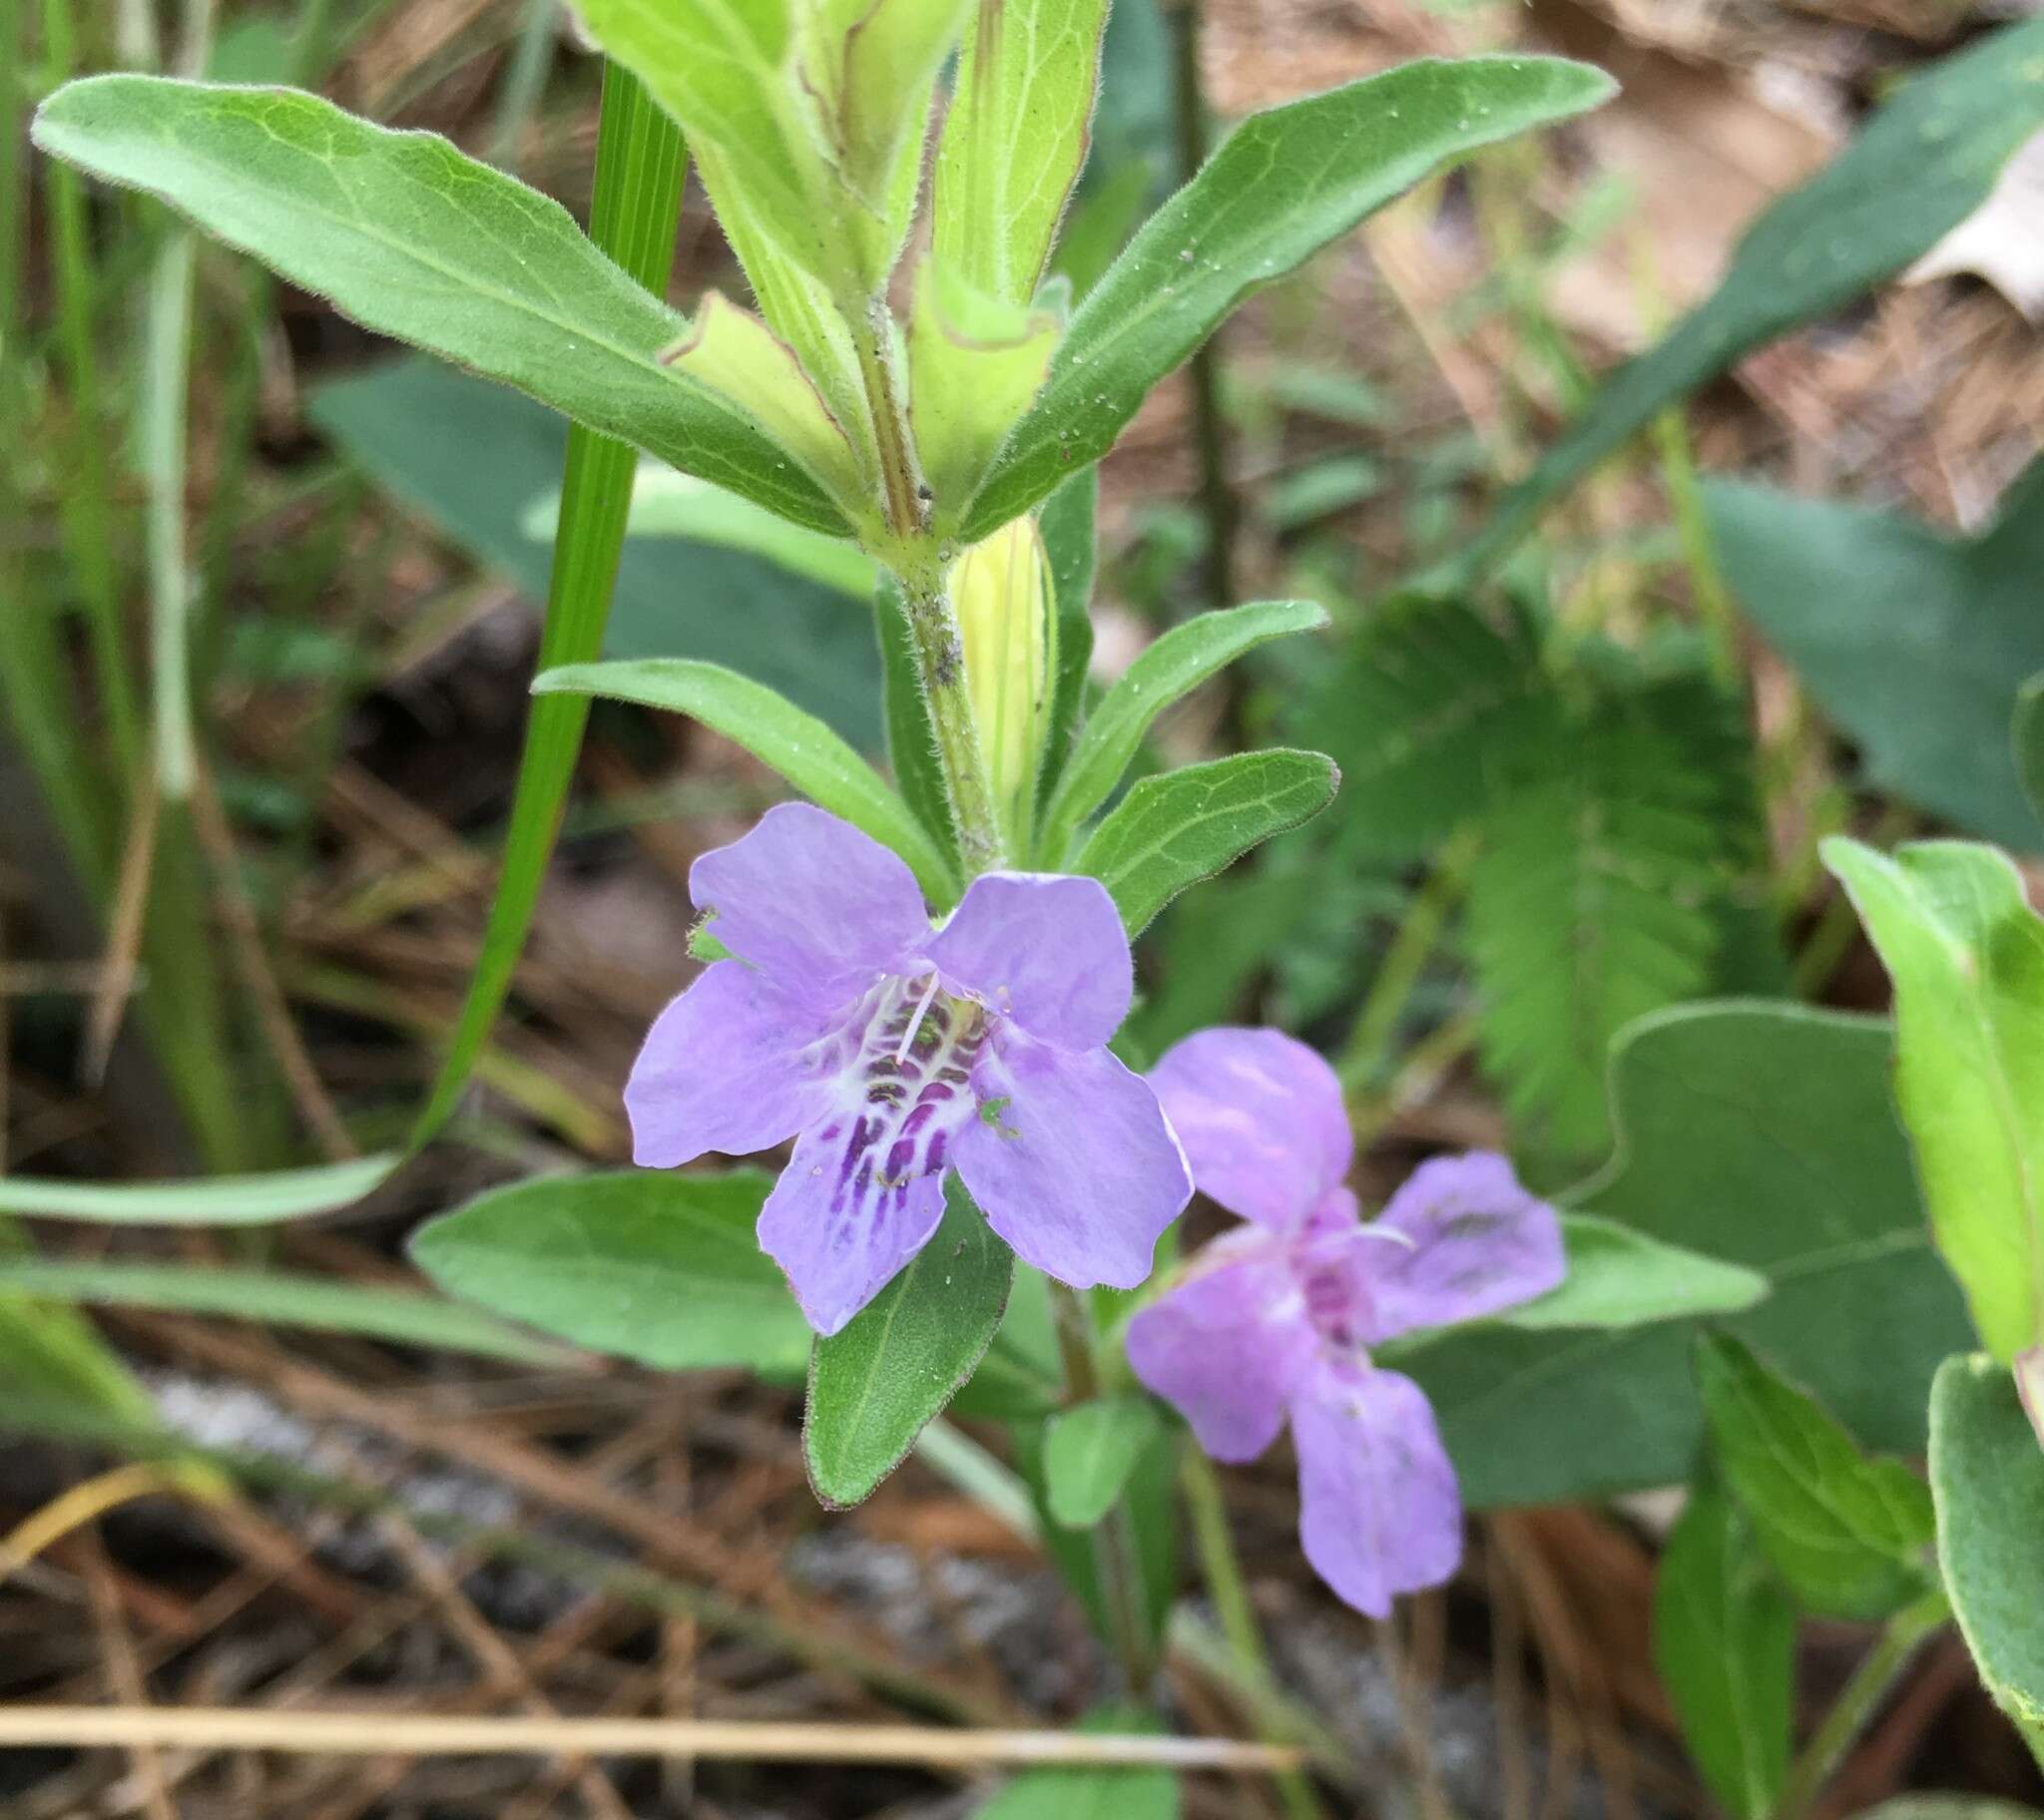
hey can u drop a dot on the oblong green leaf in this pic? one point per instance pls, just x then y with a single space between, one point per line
215 1201
411 238
1068 524
1180 661
1622 1277
901 1358
1725 1645
643 1264
1987 1476
1966 954
1089 1451
797 745
283 1299
1284 184
1848 1532
1171 831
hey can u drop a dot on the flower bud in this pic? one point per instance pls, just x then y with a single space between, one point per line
1001 589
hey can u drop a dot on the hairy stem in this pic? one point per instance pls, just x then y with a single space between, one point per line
941 666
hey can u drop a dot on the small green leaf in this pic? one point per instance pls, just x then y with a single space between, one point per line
215 1201
1177 662
1171 831
1987 1476
643 1265
1725 1645
285 1300
1848 1533
777 732
1089 1451
903 1356
1068 529
1966 954
1092 1794
1923 164
1620 1277
2026 741
1284 184
1014 138
413 239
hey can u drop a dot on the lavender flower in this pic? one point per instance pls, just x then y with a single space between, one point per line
1276 1318
892 1051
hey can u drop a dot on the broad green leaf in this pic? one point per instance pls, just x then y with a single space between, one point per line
1067 524
777 732
643 1265
1760 1135
1987 1474
1177 662
218 1200
1923 164
281 1299
1725 1645
1171 831
1092 1794
1621 1277
1427 712
1966 954
1284 183
1089 1451
902 1357
667 502
1014 140
1849 1532
974 363
2026 741
1912 641
911 734
414 425
413 239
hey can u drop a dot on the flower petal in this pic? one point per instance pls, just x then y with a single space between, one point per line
1479 1242
729 1066
839 1226
1261 1120
1071 1161
1227 1347
1045 950
1378 1512
816 906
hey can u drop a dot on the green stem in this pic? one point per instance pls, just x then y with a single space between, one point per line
1856 1704
1412 944
940 667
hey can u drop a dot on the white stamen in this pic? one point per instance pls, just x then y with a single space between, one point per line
915 1023
1391 1235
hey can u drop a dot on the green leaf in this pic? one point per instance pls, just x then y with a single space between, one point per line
666 503
777 732
1022 1374
912 733
1066 525
409 237
413 426
1725 1645
1912 641
1848 1533
1014 138
1175 663
1762 1134
1284 184
1428 711
902 1357
1171 831
1987 1476
2026 741
638 198
1966 954
281 1299
216 1200
1089 1451
1092 1794
1589 907
1923 164
1620 1277
643 1265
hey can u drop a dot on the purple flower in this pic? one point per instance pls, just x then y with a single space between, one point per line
892 1051
1277 1317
